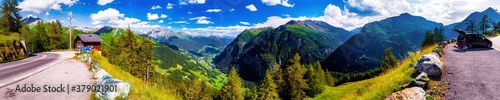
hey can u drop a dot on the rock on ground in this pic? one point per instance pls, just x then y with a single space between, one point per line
420 81
414 93
122 88
430 64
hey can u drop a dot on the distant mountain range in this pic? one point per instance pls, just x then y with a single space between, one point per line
31 20
477 16
313 40
194 44
363 51
356 30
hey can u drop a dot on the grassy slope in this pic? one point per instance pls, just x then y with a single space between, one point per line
139 90
4 39
166 58
375 88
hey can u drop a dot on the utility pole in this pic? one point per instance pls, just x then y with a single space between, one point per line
70 18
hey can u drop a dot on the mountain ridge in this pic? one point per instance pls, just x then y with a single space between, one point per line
313 40
364 50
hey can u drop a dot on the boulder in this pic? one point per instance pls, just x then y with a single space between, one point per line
420 81
430 64
414 93
122 88
101 73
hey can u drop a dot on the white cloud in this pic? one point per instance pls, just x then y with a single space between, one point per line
185 2
117 19
152 16
286 15
202 20
169 27
190 12
161 21
245 23
181 22
96 22
251 7
442 11
213 10
232 31
38 6
47 13
231 10
155 7
277 2
184 28
163 16
170 6
108 14
125 21
104 2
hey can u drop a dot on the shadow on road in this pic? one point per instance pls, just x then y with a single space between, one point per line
473 49
32 55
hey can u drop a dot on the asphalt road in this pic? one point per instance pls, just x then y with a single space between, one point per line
474 74
15 71
45 69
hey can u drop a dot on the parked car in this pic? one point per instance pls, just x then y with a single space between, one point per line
476 40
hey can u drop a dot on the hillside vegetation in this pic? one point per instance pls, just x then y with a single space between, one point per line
312 40
375 88
139 89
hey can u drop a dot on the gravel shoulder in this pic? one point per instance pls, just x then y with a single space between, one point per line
66 72
474 73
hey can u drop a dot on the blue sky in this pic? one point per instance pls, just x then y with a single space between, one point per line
229 17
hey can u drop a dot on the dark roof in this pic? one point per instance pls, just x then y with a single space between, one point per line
89 38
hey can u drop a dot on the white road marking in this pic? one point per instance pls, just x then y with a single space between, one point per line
23 63
24 76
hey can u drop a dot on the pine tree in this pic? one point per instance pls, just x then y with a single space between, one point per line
278 75
330 81
295 78
42 40
232 89
471 26
55 35
11 19
428 39
438 35
321 72
206 92
254 95
194 90
388 59
316 80
484 24
27 35
146 57
268 88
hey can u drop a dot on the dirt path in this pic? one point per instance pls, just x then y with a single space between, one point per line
67 72
473 74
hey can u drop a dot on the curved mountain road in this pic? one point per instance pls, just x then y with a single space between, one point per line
474 74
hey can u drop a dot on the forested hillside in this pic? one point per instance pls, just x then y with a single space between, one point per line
314 40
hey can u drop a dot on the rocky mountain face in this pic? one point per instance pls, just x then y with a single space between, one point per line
363 51
235 48
31 20
313 40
